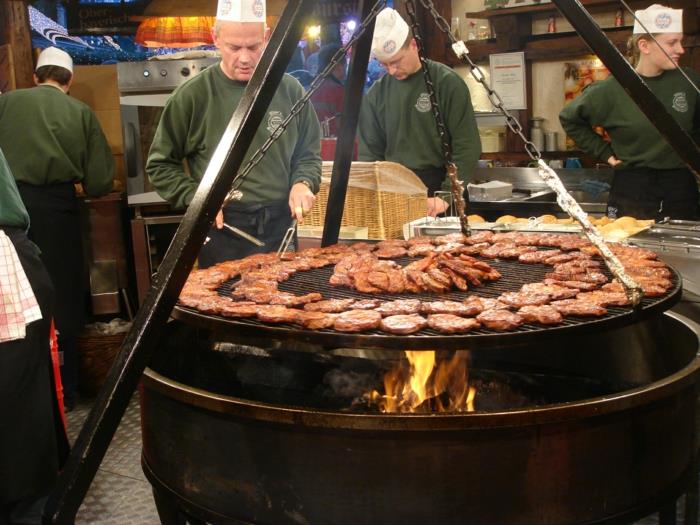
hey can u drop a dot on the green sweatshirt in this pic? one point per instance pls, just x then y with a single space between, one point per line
49 137
193 121
397 123
634 140
12 210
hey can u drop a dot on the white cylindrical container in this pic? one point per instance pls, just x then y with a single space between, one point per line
550 141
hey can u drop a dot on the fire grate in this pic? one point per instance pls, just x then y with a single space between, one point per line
514 275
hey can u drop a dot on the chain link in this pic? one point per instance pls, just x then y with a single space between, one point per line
235 193
456 185
476 72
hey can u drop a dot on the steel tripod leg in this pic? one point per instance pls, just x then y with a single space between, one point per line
667 514
691 500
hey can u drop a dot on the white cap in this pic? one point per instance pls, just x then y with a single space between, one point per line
390 32
241 11
52 56
658 19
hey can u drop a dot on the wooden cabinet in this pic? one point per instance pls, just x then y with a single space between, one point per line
512 29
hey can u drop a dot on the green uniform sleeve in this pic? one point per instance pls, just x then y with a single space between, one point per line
372 137
165 167
306 159
12 210
579 117
461 124
99 165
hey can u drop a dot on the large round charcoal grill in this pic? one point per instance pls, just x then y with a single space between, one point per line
514 275
603 428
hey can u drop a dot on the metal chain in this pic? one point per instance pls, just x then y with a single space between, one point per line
456 185
235 193
442 129
564 199
463 54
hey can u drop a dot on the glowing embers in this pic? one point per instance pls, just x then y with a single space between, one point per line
420 384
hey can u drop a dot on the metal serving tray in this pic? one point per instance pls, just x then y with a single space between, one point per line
678 244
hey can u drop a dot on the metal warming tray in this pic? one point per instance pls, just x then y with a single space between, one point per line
678 244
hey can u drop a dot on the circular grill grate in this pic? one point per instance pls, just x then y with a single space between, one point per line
513 276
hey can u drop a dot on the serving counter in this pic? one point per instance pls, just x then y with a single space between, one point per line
531 197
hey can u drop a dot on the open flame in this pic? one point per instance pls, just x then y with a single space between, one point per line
419 384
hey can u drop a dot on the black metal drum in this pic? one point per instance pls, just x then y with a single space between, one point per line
229 442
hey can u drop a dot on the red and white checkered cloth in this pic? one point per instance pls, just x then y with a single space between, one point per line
18 306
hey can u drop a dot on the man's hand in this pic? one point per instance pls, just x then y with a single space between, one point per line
613 161
219 220
436 206
301 200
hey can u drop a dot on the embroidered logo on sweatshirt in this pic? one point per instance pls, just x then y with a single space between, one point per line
423 103
274 119
680 103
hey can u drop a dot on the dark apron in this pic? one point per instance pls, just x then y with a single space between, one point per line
653 194
55 228
433 179
268 222
32 438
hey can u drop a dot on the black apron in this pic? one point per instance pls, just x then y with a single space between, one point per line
55 228
268 222
653 194
433 179
32 438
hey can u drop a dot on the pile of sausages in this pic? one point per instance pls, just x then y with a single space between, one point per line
575 286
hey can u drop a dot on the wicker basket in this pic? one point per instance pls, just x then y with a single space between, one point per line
96 353
382 196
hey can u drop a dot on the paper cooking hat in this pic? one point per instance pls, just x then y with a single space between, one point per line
241 11
658 19
52 56
390 32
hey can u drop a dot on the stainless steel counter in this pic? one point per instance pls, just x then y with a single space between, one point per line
532 197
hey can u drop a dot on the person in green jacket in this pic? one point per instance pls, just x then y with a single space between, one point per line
650 181
396 119
52 141
282 186
32 438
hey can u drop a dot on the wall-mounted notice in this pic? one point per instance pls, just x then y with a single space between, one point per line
508 78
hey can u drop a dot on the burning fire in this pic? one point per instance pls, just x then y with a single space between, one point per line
418 384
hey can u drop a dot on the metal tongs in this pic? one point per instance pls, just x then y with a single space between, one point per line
245 235
287 239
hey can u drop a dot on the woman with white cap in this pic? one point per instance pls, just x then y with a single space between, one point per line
51 141
651 180
396 119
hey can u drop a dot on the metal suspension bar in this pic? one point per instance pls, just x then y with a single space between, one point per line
348 127
145 332
628 78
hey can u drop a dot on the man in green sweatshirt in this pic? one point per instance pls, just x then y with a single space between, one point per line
282 186
396 119
651 181
51 141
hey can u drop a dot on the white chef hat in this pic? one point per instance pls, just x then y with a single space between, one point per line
52 56
241 10
390 32
658 19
